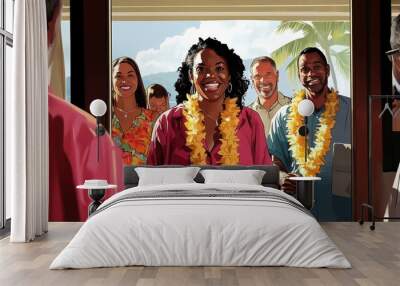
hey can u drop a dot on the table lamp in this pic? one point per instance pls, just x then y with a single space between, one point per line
305 185
305 109
98 108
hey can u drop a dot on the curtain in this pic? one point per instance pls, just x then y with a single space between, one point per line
27 124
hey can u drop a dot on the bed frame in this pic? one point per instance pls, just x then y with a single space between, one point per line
270 179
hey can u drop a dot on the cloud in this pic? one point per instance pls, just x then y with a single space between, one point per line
249 39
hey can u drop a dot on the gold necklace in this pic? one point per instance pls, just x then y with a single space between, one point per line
322 136
196 135
124 113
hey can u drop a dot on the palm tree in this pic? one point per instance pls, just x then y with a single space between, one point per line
332 37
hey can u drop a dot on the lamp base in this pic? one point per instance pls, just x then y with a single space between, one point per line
96 195
100 130
305 190
305 193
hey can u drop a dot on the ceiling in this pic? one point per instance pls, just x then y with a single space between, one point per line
395 7
130 10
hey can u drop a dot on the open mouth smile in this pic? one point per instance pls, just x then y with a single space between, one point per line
125 87
313 82
211 86
266 88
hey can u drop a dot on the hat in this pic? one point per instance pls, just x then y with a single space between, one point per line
96 184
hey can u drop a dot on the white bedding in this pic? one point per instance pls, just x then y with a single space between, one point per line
224 231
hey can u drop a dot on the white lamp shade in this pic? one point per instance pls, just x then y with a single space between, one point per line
98 107
306 107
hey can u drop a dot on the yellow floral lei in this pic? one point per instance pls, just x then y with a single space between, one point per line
196 135
323 135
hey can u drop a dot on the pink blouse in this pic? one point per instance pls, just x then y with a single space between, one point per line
168 147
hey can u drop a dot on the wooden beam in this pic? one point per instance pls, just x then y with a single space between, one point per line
90 59
371 74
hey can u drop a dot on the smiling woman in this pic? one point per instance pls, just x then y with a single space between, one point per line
210 125
132 123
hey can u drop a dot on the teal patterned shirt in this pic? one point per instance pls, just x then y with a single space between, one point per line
278 146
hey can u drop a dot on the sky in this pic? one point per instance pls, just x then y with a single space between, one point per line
127 42
66 41
160 46
249 39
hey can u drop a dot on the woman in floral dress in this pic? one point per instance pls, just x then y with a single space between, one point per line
132 123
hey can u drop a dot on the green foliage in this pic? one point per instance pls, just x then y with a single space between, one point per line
333 38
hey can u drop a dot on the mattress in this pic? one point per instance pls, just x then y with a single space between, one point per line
201 225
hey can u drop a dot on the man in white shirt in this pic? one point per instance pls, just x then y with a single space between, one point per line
264 77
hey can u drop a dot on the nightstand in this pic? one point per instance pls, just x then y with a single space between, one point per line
305 190
96 190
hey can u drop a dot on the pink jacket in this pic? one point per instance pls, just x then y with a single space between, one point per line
73 159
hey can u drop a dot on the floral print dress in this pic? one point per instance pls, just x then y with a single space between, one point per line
134 142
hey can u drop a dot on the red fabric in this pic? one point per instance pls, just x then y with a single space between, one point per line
168 146
73 159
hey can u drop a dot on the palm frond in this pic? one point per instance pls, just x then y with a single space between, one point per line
294 26
319 34
342 60
323 29
341 39
292 49
291 68
333 33
342 27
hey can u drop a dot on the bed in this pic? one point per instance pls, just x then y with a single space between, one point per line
202 222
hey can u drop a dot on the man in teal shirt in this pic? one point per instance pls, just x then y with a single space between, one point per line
313 72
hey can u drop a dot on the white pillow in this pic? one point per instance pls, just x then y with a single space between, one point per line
248 177
163 176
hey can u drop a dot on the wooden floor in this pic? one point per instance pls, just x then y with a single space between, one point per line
374 255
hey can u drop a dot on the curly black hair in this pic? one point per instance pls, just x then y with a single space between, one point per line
235 66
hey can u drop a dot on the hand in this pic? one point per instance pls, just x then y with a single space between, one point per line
289 186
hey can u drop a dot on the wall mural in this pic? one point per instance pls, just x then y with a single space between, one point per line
229 92
236 87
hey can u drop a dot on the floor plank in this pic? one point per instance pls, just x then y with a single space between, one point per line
374 255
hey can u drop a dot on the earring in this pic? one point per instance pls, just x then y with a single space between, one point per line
229 87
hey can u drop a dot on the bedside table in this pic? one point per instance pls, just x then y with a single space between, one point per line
96 191
305 190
